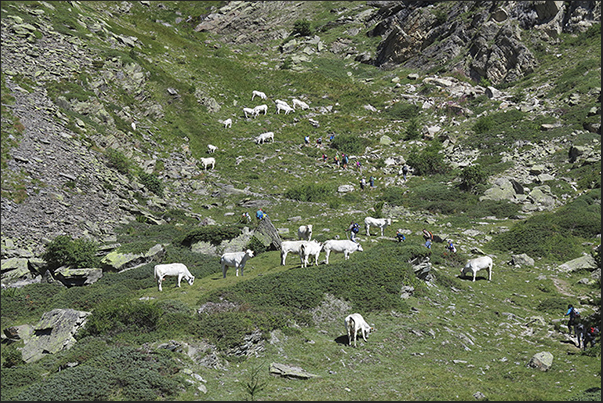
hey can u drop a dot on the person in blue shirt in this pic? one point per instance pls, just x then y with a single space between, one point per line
259 214
400 236
571 312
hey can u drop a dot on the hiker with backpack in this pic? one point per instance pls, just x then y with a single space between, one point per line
589 336
400 236
573 316
354 228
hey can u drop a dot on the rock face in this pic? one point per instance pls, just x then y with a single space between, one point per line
53 333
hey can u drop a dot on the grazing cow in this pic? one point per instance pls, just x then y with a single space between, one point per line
477 264
305 232
301 104
310 248
211 149
278 101
261 108
227 123
207 162
235 259
344 246
284 107
264 137
249 111
172 269
376 222
259 94
355 323
293 247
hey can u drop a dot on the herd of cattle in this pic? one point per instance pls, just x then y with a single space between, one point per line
305 248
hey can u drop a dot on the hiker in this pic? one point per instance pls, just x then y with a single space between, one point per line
400 236
245 217
428 244
450 246
345 160
354 228
362 183
319 141
589 337
404 171
324 157
573 315
372 182
331 137
307 139
260 214
336 159
427 235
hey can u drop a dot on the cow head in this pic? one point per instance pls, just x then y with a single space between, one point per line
190 280
249 253
359 247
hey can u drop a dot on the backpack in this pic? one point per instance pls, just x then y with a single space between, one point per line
355 228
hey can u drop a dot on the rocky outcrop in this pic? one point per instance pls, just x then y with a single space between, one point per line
53 333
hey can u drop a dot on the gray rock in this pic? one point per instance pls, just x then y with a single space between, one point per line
288 371
53 333
542 361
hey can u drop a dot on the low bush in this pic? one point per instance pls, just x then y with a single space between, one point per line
212 234
152 183
66 251
428 161
350 144
120 316
116 159
311 192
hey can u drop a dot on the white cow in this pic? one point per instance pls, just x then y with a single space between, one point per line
207 162
310 248
301 104
235 259
355 323
259 94
264 137
477 264
376 222
344 246
227 123
211 148
305 232
293 247
284 107
278 101
249 111
261 108
172 269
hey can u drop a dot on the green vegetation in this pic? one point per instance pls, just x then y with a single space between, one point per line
449 339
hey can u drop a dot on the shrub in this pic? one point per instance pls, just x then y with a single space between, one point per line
116 159
65 251
471 176
403 111
151 182
122 315
257 246
312 192
429 161
302 28
350 144
412 129
212 234
483 124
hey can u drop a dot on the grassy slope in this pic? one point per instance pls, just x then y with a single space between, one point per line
401 361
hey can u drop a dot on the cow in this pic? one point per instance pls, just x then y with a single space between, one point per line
376 222
264 137
305 232
227 123
211 148
235 259
307 249
290 247
477 264
207 162
258 93
355 323
178 270
344 246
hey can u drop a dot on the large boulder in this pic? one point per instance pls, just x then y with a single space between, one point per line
542 361
115 261
53 333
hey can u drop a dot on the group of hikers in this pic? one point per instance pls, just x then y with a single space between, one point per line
584 333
